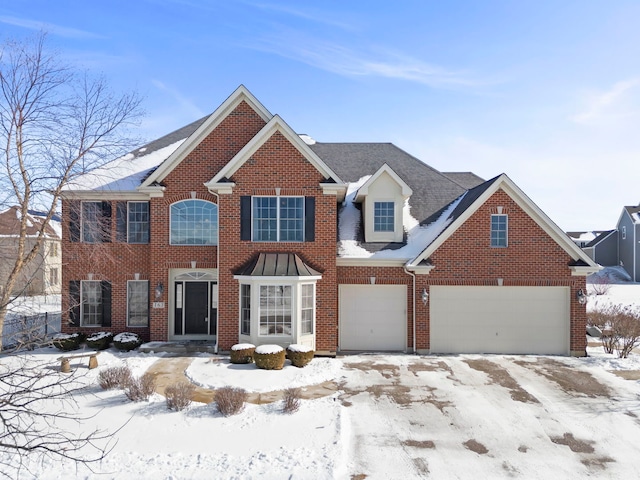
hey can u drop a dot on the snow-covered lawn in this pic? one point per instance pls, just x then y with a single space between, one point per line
392 417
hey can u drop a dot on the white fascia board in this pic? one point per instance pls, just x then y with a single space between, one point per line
104 195
363 191
583 271
277 278
240 94
370 262
276 124
524 202
223 188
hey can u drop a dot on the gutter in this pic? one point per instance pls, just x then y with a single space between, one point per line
413 295
215 348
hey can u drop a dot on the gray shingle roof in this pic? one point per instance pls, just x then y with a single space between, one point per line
599 238
465 179
351 161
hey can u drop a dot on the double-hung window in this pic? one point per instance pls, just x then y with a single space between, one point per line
91 304
137 303
383 216
138 222
307 308
96 222
499 230
278 219
245 309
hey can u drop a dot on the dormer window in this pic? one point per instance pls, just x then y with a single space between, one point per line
383 216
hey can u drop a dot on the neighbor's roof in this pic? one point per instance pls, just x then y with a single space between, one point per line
277 265
634 213
599 238
10 223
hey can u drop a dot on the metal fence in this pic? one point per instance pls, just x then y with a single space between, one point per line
30 330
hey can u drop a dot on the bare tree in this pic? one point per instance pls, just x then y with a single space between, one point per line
56 123
33 403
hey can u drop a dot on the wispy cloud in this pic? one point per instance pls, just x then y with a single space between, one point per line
616 103
345 61
48 27
185 104
312 15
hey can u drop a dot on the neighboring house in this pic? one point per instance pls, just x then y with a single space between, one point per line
620 246
582 239
43 275
237 229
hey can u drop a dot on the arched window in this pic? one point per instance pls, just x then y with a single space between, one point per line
194 222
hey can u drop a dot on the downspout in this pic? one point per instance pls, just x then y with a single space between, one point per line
215 348
413 276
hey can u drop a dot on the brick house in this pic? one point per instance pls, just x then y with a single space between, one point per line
237 229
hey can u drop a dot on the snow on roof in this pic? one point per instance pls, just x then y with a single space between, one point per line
582 236
418 237
125 173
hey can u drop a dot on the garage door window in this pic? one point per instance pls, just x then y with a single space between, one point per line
499 230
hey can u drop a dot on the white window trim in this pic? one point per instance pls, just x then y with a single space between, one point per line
148 309
506 232
82 284
624 232
148 222
278 197
217 240
384 232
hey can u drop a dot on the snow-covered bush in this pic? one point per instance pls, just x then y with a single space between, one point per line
99 340
242 353
620 326
269 357
141 388
291 400
115 377
230 401
67 342
126 341
179 395
299 355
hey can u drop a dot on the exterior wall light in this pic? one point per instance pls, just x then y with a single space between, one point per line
425 296
582 298
159 290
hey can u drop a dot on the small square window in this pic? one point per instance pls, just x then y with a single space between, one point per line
499 230
624 232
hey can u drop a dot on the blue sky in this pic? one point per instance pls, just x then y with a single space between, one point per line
546 91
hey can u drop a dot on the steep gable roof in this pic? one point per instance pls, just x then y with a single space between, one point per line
276 124
10 221
477 196
602 236
241 94
364 189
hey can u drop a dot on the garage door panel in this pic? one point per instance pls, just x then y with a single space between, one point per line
499 320
373 317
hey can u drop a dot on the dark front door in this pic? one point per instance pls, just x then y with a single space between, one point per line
196 308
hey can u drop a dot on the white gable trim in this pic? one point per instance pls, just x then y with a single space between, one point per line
276 124
238 96
364 189
523 201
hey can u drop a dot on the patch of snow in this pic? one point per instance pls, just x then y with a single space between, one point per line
296 347
307 139
126 337
269 349
98 336
123 174
242 346
611 275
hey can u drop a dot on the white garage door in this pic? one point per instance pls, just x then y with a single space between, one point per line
499 320
373 317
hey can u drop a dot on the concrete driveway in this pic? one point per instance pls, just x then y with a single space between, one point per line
473 416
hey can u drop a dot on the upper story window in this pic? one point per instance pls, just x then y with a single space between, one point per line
194 222
383 216
96 222
138 222
499 230
278 219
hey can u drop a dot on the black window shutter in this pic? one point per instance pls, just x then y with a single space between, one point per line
106 303
106 221
74 221
74 303
121 222
309 219
245 217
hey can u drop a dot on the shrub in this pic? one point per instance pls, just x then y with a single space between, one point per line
291 400
242 353
99 340
299 355
114 377
67 342
230 401
141 388
620 327
269 357
599 285
127 341
179 395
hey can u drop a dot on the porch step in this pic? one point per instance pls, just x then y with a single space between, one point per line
195 346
